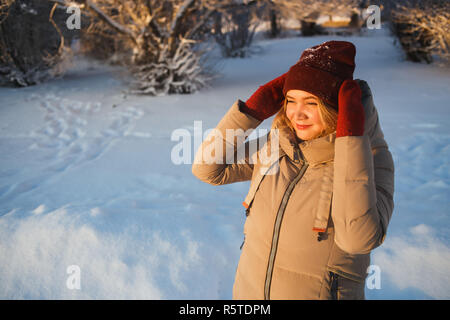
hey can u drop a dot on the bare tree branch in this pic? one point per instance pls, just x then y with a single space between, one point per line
101 15
423 29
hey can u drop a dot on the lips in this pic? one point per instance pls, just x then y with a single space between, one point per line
302 127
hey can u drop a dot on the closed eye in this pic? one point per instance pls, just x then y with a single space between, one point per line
310 103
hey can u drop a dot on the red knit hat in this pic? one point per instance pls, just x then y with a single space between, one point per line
322 69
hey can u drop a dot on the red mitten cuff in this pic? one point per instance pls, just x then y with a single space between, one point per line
244 108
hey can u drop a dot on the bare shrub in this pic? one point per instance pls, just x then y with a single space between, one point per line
423 29
32 46
156 40
235 29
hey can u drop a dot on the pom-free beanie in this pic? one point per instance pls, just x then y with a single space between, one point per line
322 69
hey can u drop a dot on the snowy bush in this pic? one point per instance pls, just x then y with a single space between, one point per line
31 43
155 40
182 72
423 29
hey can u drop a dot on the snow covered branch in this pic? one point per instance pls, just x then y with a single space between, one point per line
235 28
89 5
423 30
29 60
156 40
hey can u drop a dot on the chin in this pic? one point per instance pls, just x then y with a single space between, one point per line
306 135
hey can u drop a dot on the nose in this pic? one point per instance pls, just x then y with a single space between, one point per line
301 112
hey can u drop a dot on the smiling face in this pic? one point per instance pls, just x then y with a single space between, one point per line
302 110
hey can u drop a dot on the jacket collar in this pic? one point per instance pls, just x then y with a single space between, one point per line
314 151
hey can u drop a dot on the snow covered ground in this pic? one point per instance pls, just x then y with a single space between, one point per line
86 180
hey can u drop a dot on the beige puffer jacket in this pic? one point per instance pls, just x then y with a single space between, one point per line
343 186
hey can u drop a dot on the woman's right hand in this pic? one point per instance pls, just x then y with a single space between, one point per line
267 100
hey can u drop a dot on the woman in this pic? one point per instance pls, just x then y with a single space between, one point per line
311 226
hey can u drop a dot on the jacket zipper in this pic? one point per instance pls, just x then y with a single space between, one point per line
334 286
279 218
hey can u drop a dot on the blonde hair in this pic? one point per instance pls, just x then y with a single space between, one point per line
327 113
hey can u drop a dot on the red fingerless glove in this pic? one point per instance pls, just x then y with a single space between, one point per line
351 111
267 100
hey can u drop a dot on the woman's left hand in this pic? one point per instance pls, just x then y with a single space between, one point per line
351 111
